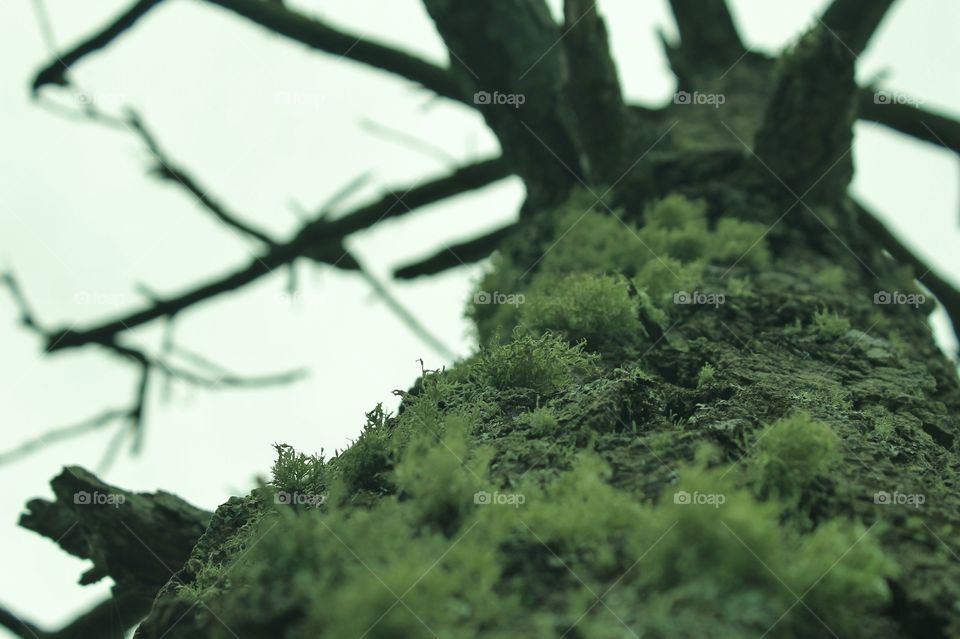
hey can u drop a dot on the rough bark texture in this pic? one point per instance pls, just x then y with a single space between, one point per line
137 539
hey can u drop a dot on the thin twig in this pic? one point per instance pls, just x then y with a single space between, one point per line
64 433
55 72
406 316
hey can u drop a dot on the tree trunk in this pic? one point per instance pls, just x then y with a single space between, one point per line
706 403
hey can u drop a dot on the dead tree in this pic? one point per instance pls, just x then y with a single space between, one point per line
806 328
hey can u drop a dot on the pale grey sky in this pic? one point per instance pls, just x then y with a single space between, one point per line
265 123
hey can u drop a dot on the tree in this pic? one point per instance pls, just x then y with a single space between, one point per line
706 402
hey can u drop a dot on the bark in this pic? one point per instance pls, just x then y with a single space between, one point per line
137 539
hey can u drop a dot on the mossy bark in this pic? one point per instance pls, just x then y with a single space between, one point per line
798 330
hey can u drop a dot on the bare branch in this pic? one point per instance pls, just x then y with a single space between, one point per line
807 128
456 255
508 51
593 89
318 239
63 433
278 19
19 626
109 619
229 380
808 125
322 37
56 71
167 169
27 317
855 21
400 202
134 415
708 37
947 295
409 141
882 108
341 195
406 316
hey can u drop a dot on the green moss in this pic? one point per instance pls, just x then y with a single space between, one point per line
828 325
737 242
594 242
830 279
543 364
542 422
490 317
676 212
529 462
433 476
667 254
706 375
676 229
724 546
365 465
706 560
885 426
597 309
791 453
739 286
661 441
660 278
295 472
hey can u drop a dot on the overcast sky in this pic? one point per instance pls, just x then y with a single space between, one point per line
268 126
